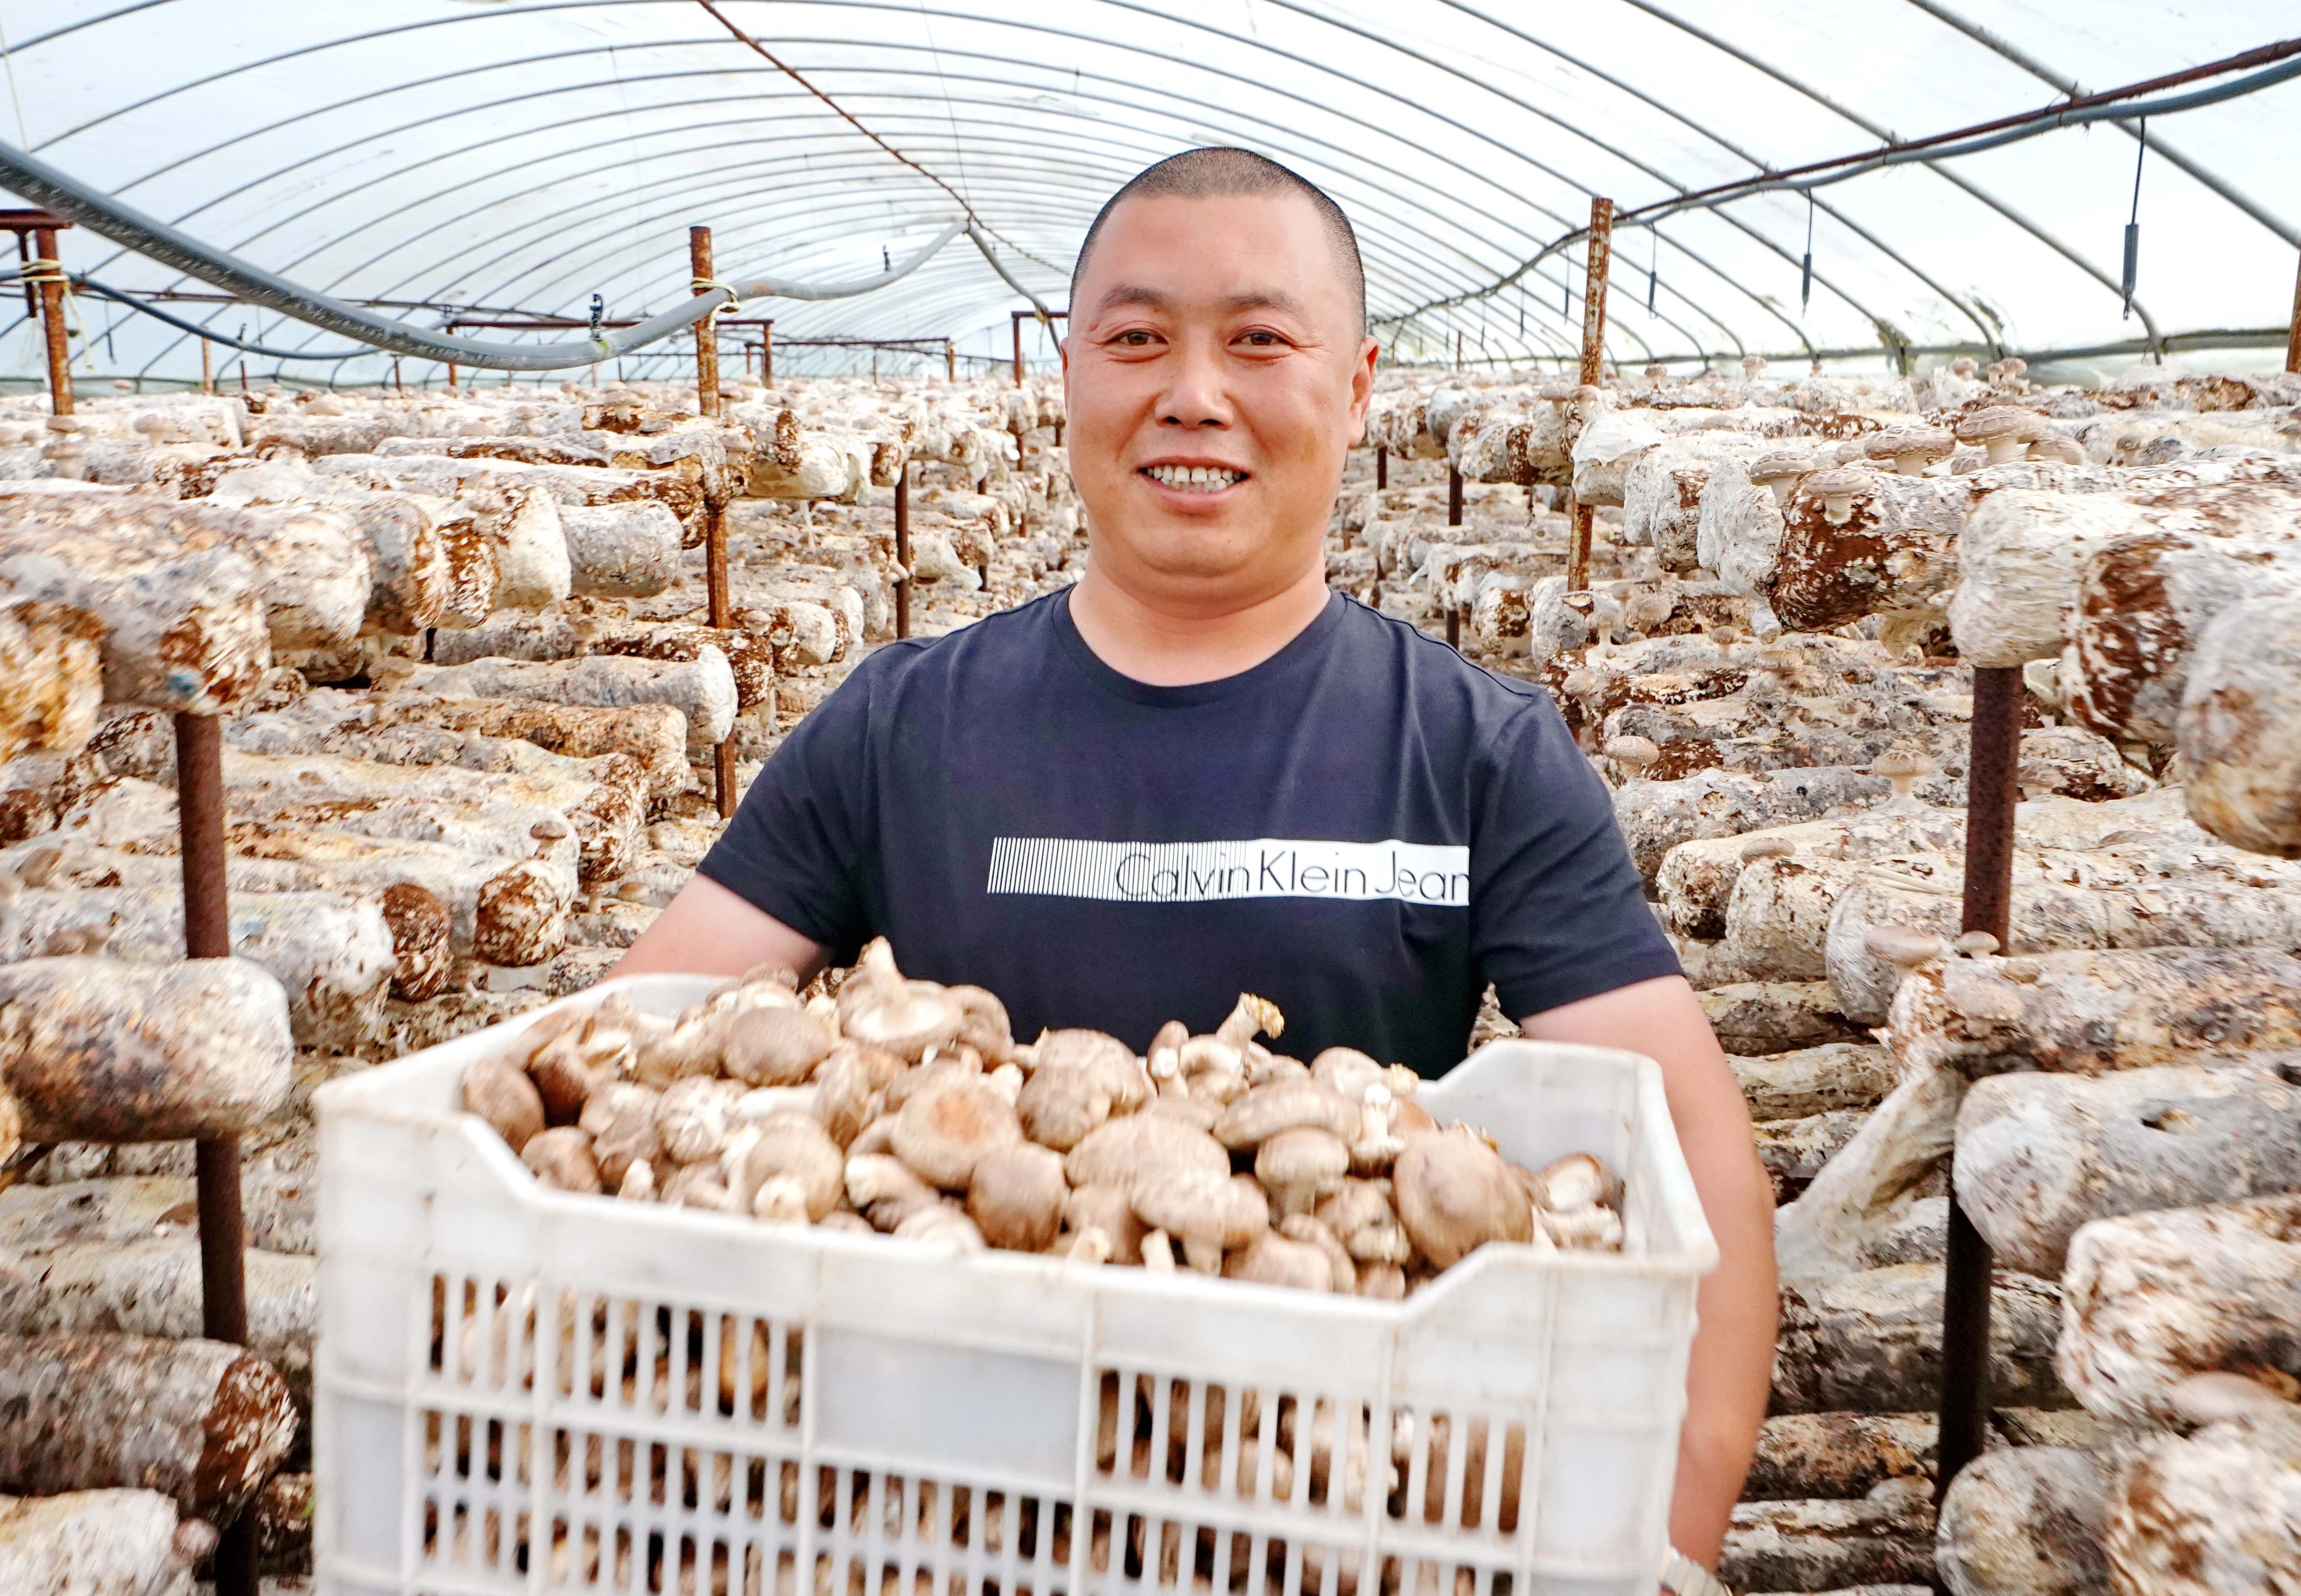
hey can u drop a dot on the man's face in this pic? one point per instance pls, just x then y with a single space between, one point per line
1215 379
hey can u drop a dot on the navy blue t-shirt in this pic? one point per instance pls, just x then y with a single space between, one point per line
1365 828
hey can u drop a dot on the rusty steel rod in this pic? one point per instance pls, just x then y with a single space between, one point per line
715 510
707 331
1593 348
1380 467
1992 790
903 550
1015 325
1454 627
51 323
223 1228
1453 496
950 361
767 354
207 370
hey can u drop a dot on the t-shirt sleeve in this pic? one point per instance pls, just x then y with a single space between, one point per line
795 846
1557 911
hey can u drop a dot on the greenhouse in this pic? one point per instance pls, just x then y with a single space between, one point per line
886 799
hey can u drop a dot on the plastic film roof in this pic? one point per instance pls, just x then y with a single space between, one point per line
520 155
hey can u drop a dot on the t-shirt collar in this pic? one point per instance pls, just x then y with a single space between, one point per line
1303 651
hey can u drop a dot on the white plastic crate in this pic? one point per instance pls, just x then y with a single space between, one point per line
714 1405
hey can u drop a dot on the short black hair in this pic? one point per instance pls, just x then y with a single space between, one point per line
1220 169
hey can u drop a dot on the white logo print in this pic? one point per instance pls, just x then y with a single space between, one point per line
1202 872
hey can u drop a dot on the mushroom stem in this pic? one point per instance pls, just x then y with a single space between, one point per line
1204 1256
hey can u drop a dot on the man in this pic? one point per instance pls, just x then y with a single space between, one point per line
1198 772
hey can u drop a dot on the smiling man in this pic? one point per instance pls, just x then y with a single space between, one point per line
1199 772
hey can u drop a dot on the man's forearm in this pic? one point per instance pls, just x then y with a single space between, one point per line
1730 1372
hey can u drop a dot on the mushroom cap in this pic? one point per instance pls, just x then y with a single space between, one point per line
906 1020
1576 1181
1656 372
773 1046
1059 1106
1116 1153
500 1093
1838 481
1271 1259
1016 1198
943 1224
1227 1210
1933 443
1189 1106
795 1147
1110 1064
1382 1282
1975 942
1900 946
1999 421
1767 848
1306 1162
1899 762
1264 1111
886 1188
1347 1073
944 1131
694 1115
560 1159
1455 1194
620 1117
1638 751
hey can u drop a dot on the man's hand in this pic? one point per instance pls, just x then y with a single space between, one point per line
1731 1370
709 931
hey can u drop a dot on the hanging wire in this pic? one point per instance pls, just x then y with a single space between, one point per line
1805 276
2133 223
1653 268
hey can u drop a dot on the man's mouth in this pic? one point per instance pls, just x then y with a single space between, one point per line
1193 479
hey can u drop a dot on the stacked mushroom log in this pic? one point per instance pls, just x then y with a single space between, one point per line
908 1107
1773 673
416 845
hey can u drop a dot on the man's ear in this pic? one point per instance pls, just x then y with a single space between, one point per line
1362 389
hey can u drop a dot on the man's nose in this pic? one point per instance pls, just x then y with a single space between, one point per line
1196 395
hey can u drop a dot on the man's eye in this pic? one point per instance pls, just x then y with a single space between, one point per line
1262 339
1137 340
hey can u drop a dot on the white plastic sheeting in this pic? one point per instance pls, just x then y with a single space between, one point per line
522 154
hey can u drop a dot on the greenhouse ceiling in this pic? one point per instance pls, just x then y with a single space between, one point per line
509 159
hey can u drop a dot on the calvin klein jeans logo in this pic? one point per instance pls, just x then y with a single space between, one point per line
1425 872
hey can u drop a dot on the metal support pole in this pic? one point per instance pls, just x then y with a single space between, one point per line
451 373
715 511
1015 324
1992 790
2293 332
1453 496
767 354
207 370
1380 467
706 335
207 934
1593 346
903 550
1457 348
950 361
51 321
1454 626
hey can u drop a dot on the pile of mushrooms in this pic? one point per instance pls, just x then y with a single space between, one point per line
906 1107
